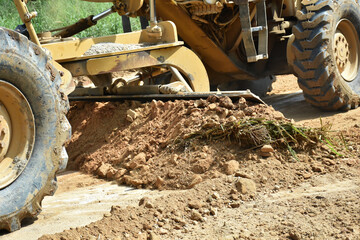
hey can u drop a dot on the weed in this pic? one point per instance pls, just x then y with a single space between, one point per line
255 132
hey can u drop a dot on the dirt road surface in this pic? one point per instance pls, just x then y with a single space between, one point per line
215 190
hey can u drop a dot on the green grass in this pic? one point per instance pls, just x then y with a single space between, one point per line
58 13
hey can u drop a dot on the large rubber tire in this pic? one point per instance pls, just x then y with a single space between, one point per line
316 64
26 66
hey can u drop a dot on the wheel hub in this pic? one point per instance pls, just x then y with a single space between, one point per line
346 50
342 51
17 133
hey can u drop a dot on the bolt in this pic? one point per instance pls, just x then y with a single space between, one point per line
2 132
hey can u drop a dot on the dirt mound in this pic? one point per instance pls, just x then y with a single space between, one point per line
236 191
143 145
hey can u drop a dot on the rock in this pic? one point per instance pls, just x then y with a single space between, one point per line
243 175
174 159
231 167
222 112
246 186
129 119
140 158
162 231
212 106
215 195
153 236
201 166
120 173
213 211
143 201
294 235
226 102
195 180
317 168
195 215
104 169
137 161
159 182
232 119
234 197
195 204
111 173
328 162
235 205
307 175
276 187
131 114
147 226
180 221
135 182
199 103
267 149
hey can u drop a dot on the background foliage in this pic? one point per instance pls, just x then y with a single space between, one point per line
58 13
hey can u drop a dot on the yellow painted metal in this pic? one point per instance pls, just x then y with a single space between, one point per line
17 132
26 17
74 49
179 57
5 131
67 83
347 50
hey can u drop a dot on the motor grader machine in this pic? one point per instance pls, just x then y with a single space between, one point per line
225 45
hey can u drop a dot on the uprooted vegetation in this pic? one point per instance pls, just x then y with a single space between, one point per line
176 145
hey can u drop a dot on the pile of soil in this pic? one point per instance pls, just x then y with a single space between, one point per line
137 144
231 192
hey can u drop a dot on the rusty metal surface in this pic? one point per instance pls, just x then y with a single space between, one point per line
17 133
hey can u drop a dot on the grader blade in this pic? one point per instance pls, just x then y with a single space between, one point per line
91 95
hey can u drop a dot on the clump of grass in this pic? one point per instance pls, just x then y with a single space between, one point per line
256 132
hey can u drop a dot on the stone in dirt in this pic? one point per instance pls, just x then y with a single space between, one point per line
243 175
131 115
195 180
267 148
159 182
104 169
195 215
231 167
246 186
317 168
195 204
